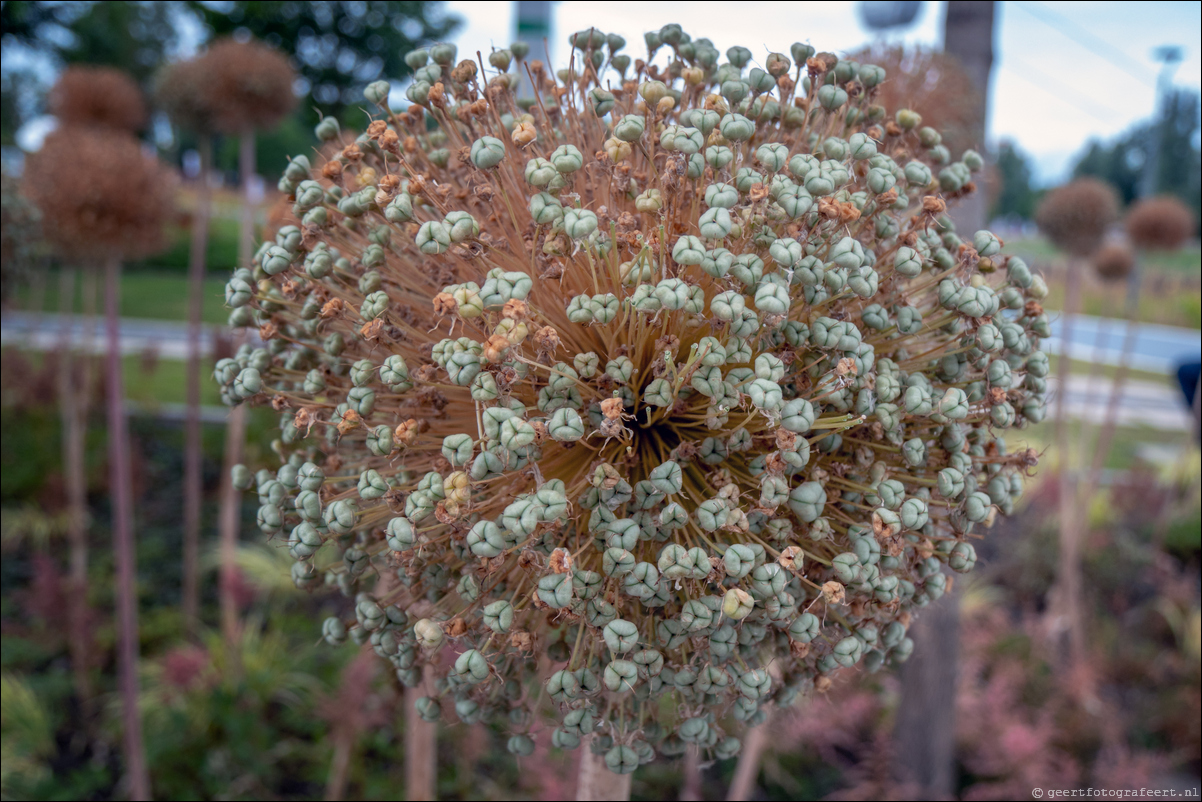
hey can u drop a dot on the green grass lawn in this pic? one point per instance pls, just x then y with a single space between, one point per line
155 294
1173 309
1124 449
1170 307
162 381
1187 260
222 250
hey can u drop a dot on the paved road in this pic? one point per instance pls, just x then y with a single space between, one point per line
1143 403
1157 349
167 338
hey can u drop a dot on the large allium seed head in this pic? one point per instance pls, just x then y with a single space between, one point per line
1075 216
249 85
1114 262
100 196
698 398
182 90
97 97
929 82
1163 223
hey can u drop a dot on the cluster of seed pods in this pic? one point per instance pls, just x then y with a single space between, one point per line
642 403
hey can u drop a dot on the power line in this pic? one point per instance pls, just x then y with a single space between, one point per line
1047 83
1094 44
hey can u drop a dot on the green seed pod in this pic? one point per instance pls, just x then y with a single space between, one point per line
500 59
327 129
962 558
471 667
377 92
736 127
567 159
977 506
555 590
738 56
737 604
443 54
521 745
579 223
715 223
433 237
620 636
487 152
629 128
241 477
621 759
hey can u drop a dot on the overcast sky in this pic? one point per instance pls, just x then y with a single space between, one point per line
1064 71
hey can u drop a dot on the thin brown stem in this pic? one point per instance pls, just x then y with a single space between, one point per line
193 455
123 544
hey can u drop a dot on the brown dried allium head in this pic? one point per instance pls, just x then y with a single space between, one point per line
685 391
1163 223
250 85
1114 262
98 97
1075 216
182 90
931 83
100 196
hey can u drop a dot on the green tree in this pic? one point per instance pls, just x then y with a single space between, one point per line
133 36
1121 161
1180 161
339 47
1015 196
1118 163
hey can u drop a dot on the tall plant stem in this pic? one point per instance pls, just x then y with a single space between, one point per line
123 542
595 781
193 478
1110 421
235 433
748 767
1089 442
421 744
70 400
1069 571
690 788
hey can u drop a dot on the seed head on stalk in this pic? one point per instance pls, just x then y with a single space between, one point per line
89 96
673 383
1162 223
1075 216
100 195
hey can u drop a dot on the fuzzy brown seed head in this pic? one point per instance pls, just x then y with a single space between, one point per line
350 419
304 420
791 558
1163 223
933 205
100 196
1075 216
524 134
833 592
611 408
516 310
560 561
406 432
99 97
522 641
